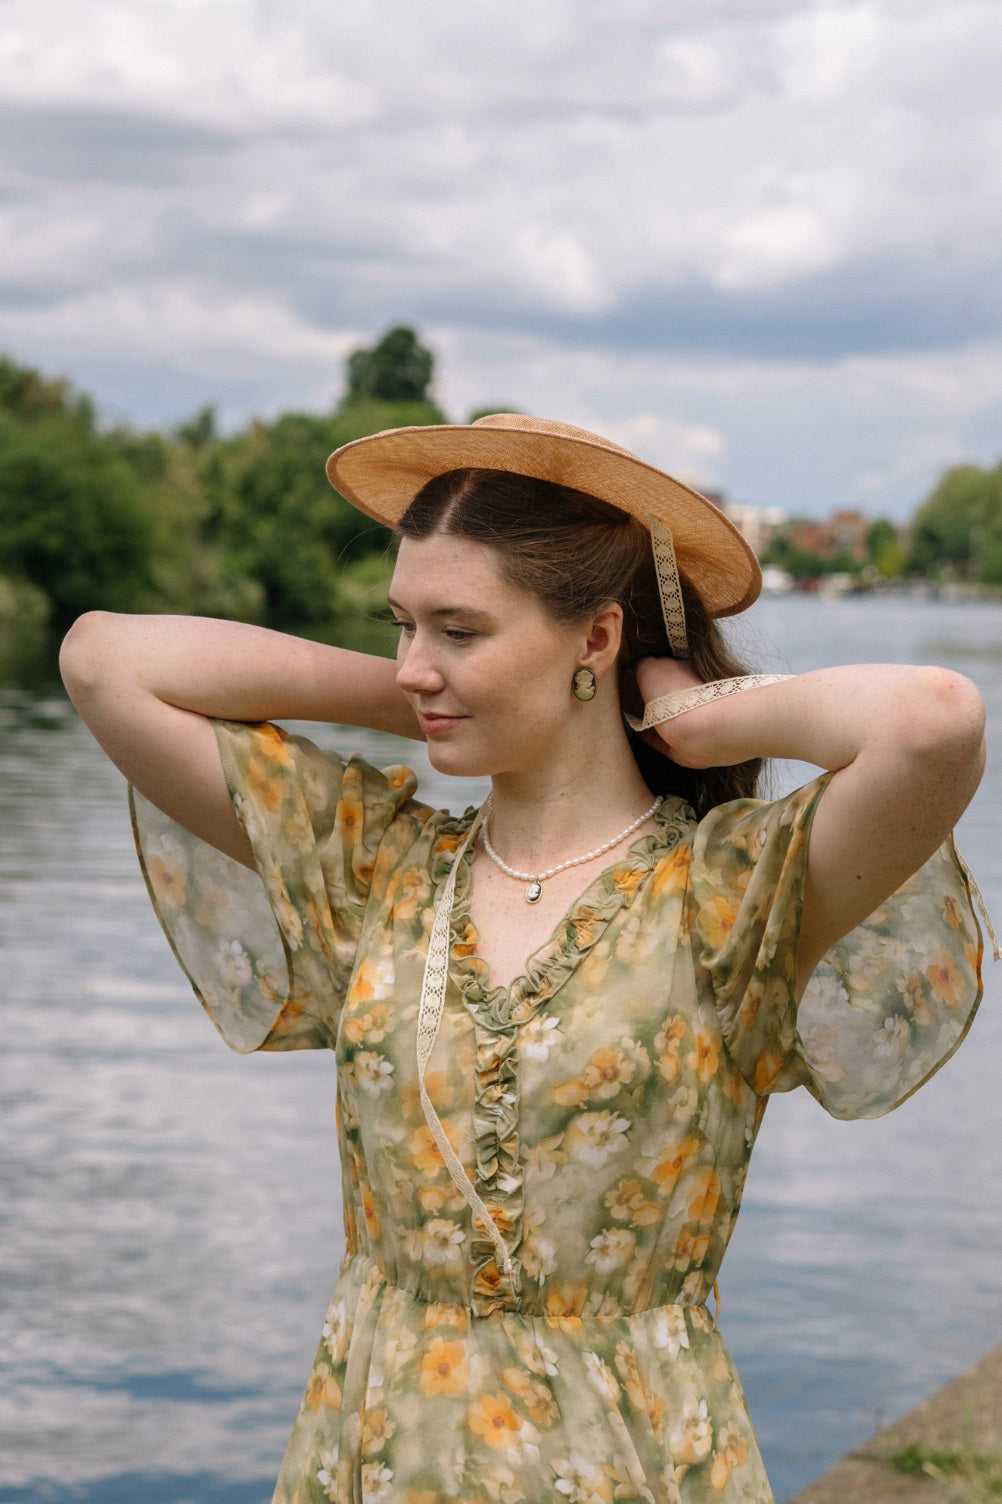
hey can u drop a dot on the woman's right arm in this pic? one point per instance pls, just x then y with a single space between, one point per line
147 685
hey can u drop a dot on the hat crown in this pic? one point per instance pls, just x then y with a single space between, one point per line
522 424
382 473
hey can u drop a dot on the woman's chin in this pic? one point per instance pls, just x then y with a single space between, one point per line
457 762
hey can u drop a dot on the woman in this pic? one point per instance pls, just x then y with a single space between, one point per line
558 1019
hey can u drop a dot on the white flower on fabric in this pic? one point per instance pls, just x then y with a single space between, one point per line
376 1480
335 1332
442 1241
893 1039
372 1072
534 1355
824 994
692 1438
234 963
580 1481
327 1474
537 1038
593 1136
168 847
611 1249
822 1047
670 1332
538 1255
602 1377
399 1352
288 918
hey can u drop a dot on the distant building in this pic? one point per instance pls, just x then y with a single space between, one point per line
845 532
757 525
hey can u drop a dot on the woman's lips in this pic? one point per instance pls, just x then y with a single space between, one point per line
432 725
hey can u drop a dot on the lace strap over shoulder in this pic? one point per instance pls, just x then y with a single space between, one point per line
436 973
666 707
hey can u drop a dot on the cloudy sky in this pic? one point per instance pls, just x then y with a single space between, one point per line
756 240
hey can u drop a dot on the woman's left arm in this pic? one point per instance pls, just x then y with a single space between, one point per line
905 745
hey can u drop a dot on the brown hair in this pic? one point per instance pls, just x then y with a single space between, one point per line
575 554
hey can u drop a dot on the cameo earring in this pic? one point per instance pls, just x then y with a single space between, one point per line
584 684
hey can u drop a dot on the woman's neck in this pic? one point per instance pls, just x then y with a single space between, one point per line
543 817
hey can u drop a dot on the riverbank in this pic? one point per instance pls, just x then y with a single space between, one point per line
948 1450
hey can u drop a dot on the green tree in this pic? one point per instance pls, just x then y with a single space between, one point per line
74 520
200 429
886 551
26 394
955 524
398 368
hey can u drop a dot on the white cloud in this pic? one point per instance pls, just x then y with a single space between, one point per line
703 200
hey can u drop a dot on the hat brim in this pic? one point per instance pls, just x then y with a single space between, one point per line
382 473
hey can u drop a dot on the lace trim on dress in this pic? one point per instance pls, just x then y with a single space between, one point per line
669 587
430 1010
666 707
979 902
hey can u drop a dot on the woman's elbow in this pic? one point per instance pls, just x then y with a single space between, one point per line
946 720
83 655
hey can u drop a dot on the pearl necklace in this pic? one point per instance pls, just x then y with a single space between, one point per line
534 891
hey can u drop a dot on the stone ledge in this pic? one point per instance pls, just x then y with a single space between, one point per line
964 1416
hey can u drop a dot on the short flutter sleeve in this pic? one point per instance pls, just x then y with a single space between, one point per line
269 952
886 1007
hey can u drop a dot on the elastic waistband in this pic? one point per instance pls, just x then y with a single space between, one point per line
361 1269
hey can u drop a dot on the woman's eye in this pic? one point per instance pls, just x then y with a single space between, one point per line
458 634
406 627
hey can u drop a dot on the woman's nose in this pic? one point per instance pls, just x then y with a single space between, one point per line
416 669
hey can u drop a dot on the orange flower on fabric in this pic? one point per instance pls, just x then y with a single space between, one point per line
271 743
443 1368
563 1305
323 1389
369 1027
377 1430
425 1154
945 979
493 1418
672 872
705 1057
668 1170
704 1195
767 1068
731 1452
716 920
264 787
535 1396
607 1071
352 811
170 882
627 1203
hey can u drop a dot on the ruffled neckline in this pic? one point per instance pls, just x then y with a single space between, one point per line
575 933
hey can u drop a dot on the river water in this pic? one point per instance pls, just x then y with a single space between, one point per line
171 1229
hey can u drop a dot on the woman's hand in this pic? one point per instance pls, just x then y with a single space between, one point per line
147 686
905 747
655 678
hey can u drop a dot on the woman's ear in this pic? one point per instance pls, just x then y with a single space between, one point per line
603 639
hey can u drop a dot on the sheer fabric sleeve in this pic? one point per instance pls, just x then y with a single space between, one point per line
886 1007
269 952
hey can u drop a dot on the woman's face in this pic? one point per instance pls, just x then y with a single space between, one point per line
487 671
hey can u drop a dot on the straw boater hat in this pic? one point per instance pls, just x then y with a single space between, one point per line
383 473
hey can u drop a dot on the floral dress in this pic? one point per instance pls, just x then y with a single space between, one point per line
604 1106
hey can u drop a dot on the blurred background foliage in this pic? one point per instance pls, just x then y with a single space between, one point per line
245 524
241 525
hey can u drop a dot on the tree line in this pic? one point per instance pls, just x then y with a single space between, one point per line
241 525
245 525
954 536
